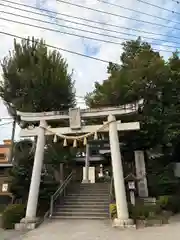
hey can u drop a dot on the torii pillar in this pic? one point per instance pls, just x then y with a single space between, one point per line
123 219
30 220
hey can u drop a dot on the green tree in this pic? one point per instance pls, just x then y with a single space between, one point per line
20 174
142 74
36 79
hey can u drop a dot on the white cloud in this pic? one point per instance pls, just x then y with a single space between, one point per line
87 71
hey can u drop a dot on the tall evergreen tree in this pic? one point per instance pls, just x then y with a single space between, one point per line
36 79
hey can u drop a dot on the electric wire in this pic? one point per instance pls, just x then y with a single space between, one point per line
83 30
66 33
80 18
157 6
117 15
176 1
65 50
81 36
137 11
58 48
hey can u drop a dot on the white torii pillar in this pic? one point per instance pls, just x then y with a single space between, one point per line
30 218
117 168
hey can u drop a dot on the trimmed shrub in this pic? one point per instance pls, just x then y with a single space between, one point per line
12 214
113 210
141 211
169 203
163 201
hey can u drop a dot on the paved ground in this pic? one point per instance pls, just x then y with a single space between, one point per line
10 235
93 230
98 230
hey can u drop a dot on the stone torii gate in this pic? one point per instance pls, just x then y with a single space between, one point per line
76 117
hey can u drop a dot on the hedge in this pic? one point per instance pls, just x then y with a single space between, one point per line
12 214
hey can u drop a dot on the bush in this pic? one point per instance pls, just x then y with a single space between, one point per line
163 201
113 210
12 214
142 211
169 203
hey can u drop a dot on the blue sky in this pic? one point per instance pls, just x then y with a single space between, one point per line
87 71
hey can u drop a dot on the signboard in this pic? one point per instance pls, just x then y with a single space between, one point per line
5 187
75 118
131 185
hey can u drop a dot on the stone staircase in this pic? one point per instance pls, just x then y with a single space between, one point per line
84 201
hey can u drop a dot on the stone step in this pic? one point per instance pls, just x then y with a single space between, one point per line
91 186
82 206
93 193
87 194
81 209
91 189
87 214
80 217
86 200
88 204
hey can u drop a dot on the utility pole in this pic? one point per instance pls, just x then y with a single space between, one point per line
12 111
12 141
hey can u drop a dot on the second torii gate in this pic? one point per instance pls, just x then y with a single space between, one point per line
75 117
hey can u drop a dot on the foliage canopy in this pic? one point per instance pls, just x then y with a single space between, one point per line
36 79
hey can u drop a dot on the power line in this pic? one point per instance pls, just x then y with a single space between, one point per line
117 15
58 48
157 6
136 11
82 24
81 36
63 49
60 25
83 19
66 33
79 29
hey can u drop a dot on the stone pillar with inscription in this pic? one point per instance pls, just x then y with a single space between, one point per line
141 173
